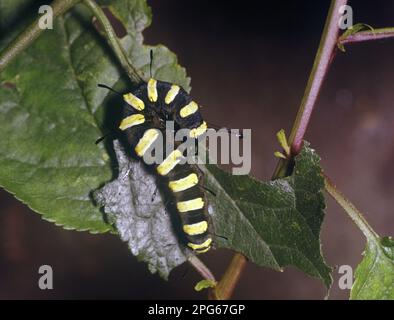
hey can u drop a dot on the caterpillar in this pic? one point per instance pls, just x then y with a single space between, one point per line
147 107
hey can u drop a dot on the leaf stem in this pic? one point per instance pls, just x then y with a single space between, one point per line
351 210
113 40
226 286
25 39
368 35
201 268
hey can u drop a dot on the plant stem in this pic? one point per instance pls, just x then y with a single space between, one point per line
368 35
201 268
226 286
113 40
327 46
323 59
351 210
31 33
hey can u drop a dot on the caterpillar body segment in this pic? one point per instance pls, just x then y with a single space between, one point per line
151 105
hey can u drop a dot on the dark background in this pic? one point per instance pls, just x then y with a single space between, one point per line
249 65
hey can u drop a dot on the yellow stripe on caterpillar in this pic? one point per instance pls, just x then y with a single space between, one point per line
190 205
203 245
171 94
146 141
195 228
152 90
203 250
189 109
134 101
170 162
184 183
131 121
196 132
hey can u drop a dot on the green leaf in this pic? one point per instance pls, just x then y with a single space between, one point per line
205 284
279 155
51 111
10 11
374 277
133 202
14 16
134 15
281 136
277 223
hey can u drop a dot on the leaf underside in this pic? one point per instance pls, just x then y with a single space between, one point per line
133 202
374 277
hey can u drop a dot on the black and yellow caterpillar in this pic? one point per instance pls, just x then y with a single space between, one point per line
148 106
